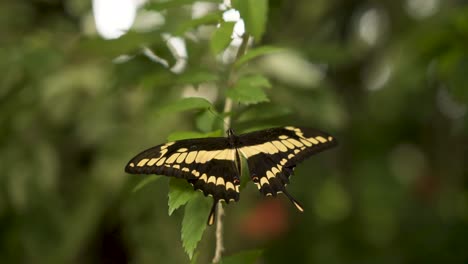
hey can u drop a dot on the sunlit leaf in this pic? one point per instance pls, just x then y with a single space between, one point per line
244 257
184 104
194 222
254 53
254 13
180 192
222 37
145 182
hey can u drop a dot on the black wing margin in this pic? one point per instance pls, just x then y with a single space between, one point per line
207 163
273 154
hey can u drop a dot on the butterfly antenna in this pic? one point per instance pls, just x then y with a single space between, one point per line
211 217
296 203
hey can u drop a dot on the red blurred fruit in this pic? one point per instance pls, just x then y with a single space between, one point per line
268 220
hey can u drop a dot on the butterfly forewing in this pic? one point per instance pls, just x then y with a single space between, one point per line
272 154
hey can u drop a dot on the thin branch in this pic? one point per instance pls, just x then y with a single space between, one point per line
219 233
227 123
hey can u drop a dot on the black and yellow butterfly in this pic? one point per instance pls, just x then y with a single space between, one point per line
212 165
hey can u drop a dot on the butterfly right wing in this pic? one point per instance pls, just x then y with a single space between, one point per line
272 155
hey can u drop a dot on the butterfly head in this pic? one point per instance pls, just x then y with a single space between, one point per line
233 139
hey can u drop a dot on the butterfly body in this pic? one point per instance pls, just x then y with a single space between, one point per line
213 165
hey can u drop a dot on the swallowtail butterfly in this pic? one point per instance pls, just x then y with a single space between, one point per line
213 165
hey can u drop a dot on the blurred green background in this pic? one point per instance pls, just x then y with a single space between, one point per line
387 78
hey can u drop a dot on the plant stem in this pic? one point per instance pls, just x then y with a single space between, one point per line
227 123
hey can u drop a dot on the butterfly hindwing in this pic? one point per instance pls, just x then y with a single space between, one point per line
207 163
272 154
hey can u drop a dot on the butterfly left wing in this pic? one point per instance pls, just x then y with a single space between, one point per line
206 163
273 154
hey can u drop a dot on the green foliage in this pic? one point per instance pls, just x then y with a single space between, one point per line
257 52
247 94
221 37
206 120
179 135
211 18
146 181
265 111
184 104
254 13
194 222
130 42
244 257
249 90
180 192
195 258
255 80
71 117
162 5
197 76
332 202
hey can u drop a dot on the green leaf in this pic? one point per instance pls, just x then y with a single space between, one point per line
210 120
194 222
146 181
195 258
263 112
254 53
130 42
244 257
222 37
180 192
158 6
158 79
248 95
256 80
248 90
179 135
257 128
205 120
211 18
197 77
245 174
254 13
184 104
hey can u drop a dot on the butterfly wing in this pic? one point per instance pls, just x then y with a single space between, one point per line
272 155
206 163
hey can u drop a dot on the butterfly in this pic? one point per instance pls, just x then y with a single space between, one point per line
213 165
